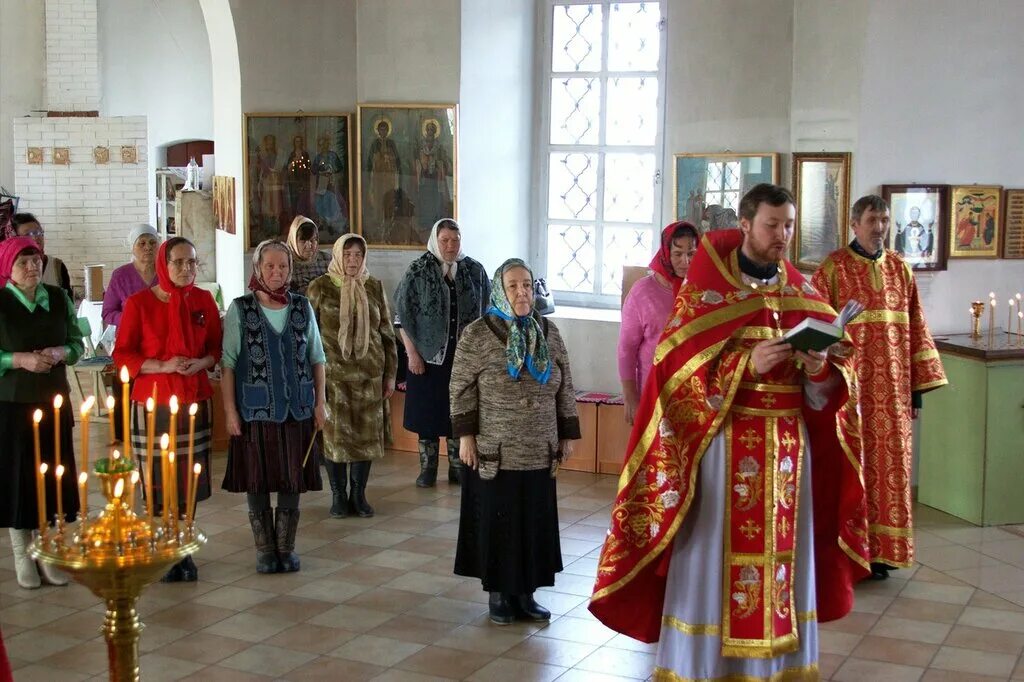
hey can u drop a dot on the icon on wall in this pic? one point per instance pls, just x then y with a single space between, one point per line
62 156
101 155
224 202
129 154
35 156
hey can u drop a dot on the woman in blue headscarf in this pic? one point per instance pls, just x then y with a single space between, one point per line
514 412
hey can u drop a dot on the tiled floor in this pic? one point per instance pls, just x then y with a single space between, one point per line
376 600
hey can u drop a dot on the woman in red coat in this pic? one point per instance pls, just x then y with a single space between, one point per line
169 336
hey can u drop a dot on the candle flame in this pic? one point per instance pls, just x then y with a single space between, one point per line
174 404
1020 314
150 405
117 455
110 402
135 477
1017 296
197 468
43 468
119 488
60 470
170 458
58 401
165 440
193 409
124 374
1011 302
37 416
993 302
991 294
82 478
87 405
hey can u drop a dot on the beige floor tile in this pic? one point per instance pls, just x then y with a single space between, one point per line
31 614
554 652
34 645
911 630
449 610
424 583
923 609
162 668
993 619
953 557
930 575
395 675
376 650
507 670
263 659
854 622
352 618
484 640
377 538
559 603
836 642
424 545
328 590
934 675
987 600
81 625
399 559
196 615
314 639
631 664
828 664
950 594
204 648
999 641
234 598
45 673
971 661
248 627
390 600
871 603
87 657
996 579
895 651
419 630
290 608
158 636
435 660
857 670
577 630
328 668
367 574
576 675
216 673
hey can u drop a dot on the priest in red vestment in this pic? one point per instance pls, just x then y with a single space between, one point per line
895 363
740 519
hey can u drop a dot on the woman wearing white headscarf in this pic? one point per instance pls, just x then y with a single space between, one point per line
360 345
441 293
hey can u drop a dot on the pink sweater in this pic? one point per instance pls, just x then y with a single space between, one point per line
644 315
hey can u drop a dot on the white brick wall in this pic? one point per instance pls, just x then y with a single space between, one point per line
72 56
86 209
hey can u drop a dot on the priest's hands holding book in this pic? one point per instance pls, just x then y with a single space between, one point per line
767 355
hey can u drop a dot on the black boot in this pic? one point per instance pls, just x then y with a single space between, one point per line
359 473
286 522
429 450
174 575
262 523
500 609
526 608
336 474
189 570
455 466
880 571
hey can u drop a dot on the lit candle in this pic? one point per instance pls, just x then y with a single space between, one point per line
118 492
173 430
126 407
164 476
150 425
83 494
193 409
59 472
191 501
37 417
41 497
1009 317
131 491
1020 323
86 408
171 487
991 322
149 475
110 413
58 401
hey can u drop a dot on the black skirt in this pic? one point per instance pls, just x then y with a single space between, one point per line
508 531
18 469
427 411
268 458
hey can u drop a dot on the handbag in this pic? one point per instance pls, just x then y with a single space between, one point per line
543 301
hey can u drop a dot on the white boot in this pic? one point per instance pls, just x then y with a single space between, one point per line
52 575
24 565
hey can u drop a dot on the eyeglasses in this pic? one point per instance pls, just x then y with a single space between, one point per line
183 264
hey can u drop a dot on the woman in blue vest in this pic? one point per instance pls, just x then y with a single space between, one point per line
274 403
39 337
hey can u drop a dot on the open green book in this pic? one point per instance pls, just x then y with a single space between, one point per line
817 335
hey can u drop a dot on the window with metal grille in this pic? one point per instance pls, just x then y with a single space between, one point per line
601 145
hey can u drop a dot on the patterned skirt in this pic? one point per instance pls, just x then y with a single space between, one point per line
271 458
179 445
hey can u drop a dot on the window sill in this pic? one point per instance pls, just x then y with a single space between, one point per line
566 312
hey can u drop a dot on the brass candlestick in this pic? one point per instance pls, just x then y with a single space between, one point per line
116 553
977 308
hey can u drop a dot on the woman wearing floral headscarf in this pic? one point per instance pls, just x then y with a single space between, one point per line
514 412
39 337
360 344
169 336
647 307
309 261
442 291
274 403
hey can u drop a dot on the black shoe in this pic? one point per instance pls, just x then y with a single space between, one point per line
501 612
429 450
359 473
337 474
189 570
525 608
174 575
880 571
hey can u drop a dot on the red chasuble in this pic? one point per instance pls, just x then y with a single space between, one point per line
895 356
704 384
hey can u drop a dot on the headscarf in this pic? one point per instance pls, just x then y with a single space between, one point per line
526 344
180 340
435 248
354 309
293 234
10 249
256 282
138 231
662 261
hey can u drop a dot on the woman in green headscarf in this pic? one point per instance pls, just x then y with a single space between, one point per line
514 413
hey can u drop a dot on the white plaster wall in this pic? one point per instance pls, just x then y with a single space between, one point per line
155 61
72 56
497 96
22 65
